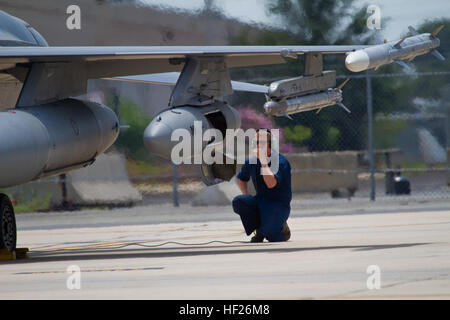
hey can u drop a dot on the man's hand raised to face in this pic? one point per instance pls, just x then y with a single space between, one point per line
263 152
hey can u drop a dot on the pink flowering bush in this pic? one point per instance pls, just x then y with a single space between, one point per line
254 119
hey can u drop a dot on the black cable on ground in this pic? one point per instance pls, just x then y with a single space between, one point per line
141 245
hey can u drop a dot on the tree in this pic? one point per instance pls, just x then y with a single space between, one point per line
318 22
130 141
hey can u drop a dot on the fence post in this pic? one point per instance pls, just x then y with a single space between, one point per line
175 185
370 134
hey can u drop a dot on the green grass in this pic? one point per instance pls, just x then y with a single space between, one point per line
139 167
36 204
417 165
130 141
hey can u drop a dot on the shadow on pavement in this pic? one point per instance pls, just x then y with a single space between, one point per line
130 253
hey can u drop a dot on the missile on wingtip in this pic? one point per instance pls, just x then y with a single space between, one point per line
405 49
304 103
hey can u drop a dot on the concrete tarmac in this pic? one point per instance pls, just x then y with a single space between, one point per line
328 257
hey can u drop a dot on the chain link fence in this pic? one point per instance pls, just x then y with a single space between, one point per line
394 143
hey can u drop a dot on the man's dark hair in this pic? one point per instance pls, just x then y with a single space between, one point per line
269 135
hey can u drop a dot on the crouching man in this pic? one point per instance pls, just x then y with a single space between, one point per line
267 212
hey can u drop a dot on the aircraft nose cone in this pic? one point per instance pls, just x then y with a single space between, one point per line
357 61
157 139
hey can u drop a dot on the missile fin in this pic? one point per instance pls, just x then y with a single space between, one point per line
343 84
435 32
404 66
400 42
284 114
438 55
413 31
340 104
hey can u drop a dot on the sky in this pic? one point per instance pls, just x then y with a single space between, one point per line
402 13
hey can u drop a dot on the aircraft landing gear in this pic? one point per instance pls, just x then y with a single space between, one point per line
8 230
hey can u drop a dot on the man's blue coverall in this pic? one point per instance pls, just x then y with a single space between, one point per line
270 208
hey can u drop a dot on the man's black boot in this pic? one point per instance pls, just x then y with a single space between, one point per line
258 237
286 232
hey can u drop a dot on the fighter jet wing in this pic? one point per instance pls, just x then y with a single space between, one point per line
119 61
53 73
139 52
171 78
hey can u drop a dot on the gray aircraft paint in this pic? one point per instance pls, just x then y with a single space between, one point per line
51 138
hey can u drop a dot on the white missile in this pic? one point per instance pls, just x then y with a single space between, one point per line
407 48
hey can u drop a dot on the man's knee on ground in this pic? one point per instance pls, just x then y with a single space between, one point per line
272 235
275 237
